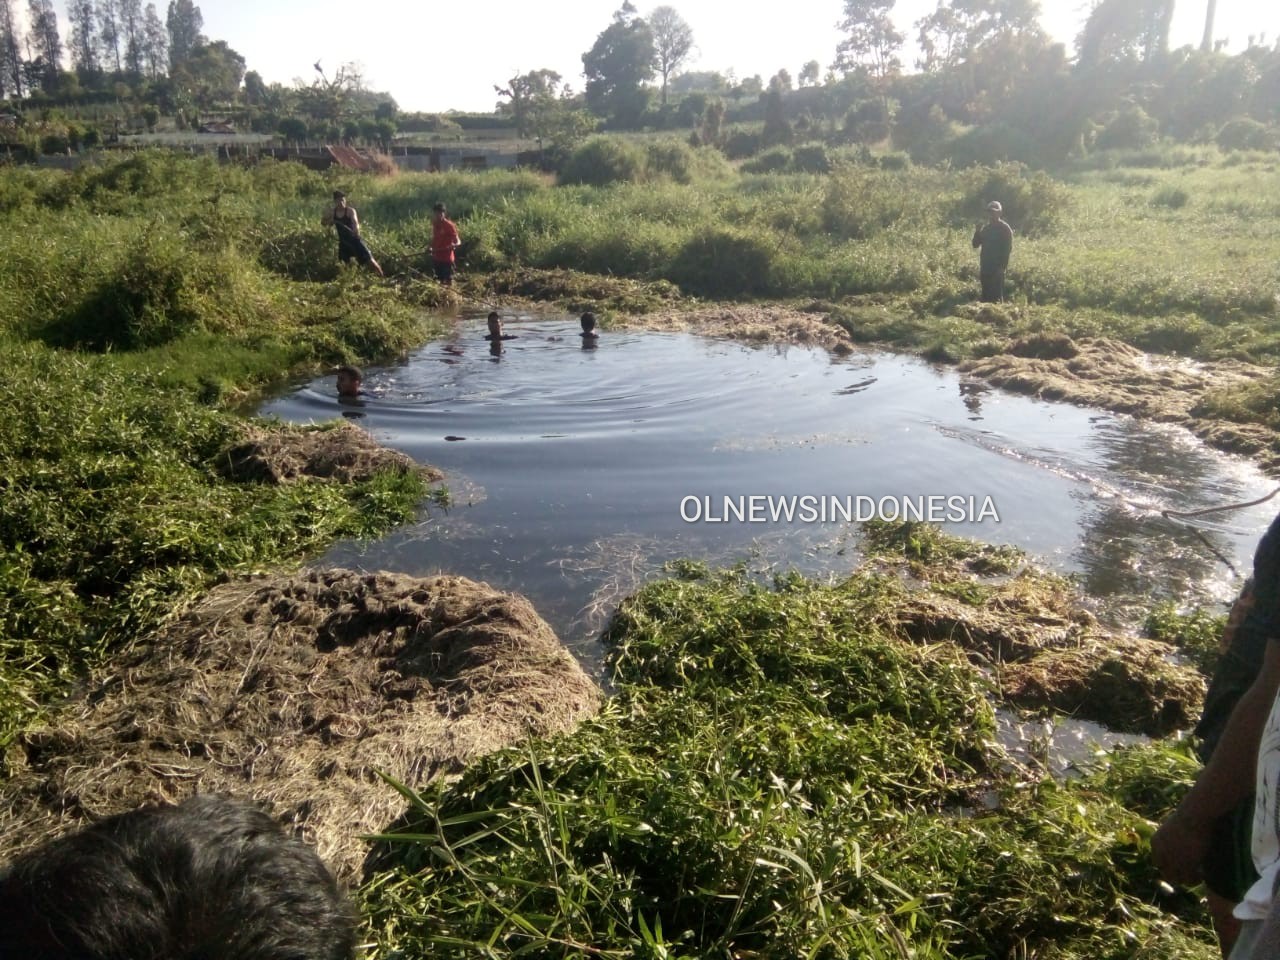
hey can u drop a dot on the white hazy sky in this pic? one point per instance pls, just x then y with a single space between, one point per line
437 56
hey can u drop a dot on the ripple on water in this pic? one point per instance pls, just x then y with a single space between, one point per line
584 457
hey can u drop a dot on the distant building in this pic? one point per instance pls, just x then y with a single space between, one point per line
222 127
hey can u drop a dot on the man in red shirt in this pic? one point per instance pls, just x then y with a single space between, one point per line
444 240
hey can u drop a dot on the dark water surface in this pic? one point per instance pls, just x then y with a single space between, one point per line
569 467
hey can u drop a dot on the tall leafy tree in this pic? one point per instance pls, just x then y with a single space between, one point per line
132 35
958 29
871 46
210 74
11 80
45 42
617 67
776 127
672 42
83 18
109 33
155 43
184 23
942 38
1125 30
526 95
810 73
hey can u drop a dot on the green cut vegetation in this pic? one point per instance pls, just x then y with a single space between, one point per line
777 777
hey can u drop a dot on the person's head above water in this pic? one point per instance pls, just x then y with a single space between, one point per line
349 381
495 324
588 324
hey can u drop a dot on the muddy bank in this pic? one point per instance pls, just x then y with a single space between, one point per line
658 305
1044 651
1030 631
299 690
1111 375
754 323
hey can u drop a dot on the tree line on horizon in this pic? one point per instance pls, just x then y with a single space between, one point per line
990 84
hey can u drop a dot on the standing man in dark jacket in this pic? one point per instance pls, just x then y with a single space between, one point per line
342 217
995 238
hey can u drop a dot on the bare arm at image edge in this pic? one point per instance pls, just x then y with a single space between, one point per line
1178 847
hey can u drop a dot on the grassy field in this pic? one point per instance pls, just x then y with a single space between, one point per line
143 301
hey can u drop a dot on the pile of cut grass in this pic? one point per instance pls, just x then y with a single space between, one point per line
112 510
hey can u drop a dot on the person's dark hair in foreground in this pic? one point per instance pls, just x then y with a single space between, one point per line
213 879
588 321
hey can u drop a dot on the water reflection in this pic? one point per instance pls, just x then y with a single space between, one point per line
576 461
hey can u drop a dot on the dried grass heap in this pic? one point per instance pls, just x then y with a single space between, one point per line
297 690
343 452
1046 652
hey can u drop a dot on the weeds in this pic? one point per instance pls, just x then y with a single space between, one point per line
774 778
1197 632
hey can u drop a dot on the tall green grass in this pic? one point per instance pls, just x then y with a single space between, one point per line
139 297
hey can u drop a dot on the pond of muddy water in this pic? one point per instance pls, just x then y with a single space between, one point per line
575 473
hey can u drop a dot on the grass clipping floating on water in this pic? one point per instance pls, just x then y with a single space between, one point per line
779 774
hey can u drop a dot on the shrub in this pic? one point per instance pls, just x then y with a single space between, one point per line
1245 134
1033 202
742 144
1162 156
285 178
856 205
54 143
1175 198
725 263
774 160
921 129
1130 129
152 299
301 254
811 158
670 158
710 164
996 143
601 161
